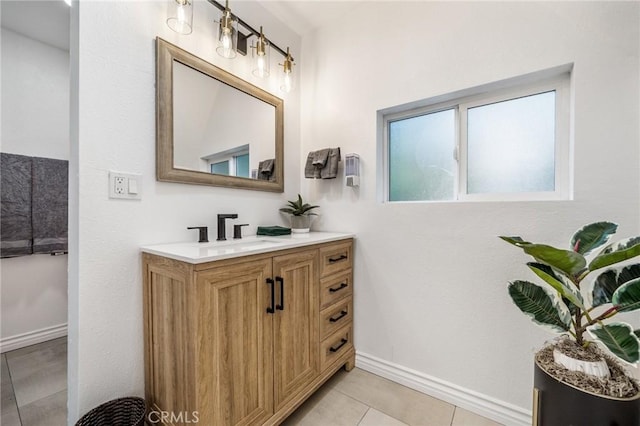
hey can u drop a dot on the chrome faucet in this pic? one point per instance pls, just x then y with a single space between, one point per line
222 226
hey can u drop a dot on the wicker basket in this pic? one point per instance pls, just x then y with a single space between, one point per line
129 411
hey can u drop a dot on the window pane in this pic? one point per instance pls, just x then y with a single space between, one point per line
242 165
421 163
511 146
221 168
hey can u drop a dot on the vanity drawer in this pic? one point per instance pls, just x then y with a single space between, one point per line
336 317
335 288
335 258
335 346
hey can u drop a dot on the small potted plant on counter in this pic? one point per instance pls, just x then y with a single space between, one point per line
575 382
300 214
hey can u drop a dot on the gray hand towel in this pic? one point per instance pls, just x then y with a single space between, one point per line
320 158
330 170
311 171
16 232
266 169
266 166
49 205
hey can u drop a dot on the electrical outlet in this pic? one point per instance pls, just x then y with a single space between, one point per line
125 185
119 185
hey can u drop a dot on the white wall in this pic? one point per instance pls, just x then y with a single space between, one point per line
113 127
35 122
431 277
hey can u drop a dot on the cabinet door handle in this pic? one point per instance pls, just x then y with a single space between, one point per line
333 290
342 343
339 317
337 259
281 305
272 309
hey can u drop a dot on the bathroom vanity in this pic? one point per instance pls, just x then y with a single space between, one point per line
242 332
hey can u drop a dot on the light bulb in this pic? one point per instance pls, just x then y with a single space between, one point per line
226 42
286 85
182 18
261 65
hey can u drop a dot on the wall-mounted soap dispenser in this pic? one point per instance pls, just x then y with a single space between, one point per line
352 169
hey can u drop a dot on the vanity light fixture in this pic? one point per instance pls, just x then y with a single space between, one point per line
287 77
227 33
180 16
261 56
232 41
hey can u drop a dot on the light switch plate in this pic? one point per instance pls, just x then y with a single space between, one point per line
127 186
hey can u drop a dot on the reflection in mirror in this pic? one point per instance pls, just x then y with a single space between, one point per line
214 128
207 134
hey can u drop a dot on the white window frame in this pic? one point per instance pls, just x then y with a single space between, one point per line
229 156
557 79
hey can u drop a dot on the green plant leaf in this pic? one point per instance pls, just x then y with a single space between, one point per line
627 296
592 236
566 261
614 253
619 338
569 262
549 276
299 207
610 280
637 332
542 307
516 241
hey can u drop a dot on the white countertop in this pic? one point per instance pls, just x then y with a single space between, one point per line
194 252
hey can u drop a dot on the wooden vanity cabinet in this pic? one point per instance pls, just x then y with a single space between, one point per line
218 343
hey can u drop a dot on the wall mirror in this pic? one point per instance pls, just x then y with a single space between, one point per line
213 128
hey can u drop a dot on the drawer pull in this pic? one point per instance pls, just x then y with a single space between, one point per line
342 343
338 259
339 317
281 305
343 285
272 309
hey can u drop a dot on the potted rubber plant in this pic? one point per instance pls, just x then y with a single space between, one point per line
582 289
300 214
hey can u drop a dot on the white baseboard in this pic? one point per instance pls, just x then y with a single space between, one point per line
31 338
486 406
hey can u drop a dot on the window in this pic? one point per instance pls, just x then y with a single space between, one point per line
503 141
231 162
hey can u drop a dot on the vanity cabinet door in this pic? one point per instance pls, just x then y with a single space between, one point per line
235 344
296 325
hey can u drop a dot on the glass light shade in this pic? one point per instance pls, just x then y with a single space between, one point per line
227 35
180 16
287 76
261 53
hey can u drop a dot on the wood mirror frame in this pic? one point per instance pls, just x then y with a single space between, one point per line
166 54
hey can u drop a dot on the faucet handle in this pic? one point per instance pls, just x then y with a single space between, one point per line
204 233
237 231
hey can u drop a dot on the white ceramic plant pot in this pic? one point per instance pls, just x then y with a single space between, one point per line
300 224
594 368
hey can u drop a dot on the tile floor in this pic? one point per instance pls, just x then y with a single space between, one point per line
34 393
359 398
34 385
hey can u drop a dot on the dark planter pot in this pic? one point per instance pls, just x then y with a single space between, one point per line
559 404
